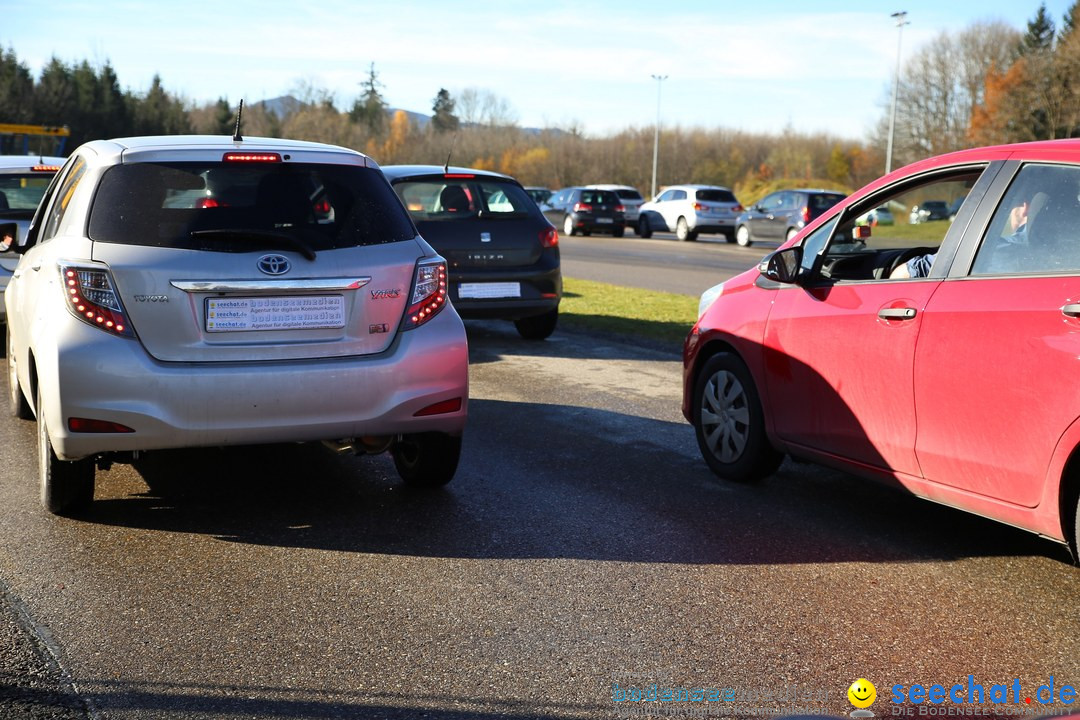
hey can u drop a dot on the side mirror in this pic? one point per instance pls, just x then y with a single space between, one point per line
783 266
9 233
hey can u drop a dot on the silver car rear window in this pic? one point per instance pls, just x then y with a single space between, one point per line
220 206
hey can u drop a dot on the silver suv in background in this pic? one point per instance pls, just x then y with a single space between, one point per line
201 291
689 210
23 180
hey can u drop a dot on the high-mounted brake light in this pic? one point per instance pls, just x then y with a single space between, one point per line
459 176
45 168
92 299
251 157
429 294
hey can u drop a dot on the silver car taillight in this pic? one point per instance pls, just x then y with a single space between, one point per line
92 298
429 293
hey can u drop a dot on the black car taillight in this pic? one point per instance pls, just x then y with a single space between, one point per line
582 207
429 293
93 299
549 237
805 213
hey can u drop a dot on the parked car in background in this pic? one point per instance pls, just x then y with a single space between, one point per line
955 385
539 194
779 215
141 318
929 210
23 180
581 210
875 217
503 254
631 200
689 210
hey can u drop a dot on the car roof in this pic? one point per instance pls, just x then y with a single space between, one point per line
396 172
609 186
152 148
25 162
694 186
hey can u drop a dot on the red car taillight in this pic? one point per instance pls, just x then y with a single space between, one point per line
429 294
737 209
698 207
549 238
620 208
582 207
805 214
93 299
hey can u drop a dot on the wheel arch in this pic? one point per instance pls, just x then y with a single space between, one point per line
1068 499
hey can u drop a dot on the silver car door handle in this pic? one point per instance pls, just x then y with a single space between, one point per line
1072 310
896 313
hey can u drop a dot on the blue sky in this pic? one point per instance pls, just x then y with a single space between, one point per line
759 66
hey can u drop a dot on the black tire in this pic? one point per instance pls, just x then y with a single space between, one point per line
1074 546
538 327
17 403
568 226
742 236
683 231
729 422
67 487
643 228
426 460
619 232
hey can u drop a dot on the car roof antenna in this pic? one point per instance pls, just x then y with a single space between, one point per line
446 167
239 114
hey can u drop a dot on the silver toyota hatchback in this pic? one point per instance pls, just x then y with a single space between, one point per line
180 291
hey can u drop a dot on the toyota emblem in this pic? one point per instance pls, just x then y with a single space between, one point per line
274 264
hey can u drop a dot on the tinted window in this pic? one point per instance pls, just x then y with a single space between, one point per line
440 199
599 197
629 194
63 197
1036 228
325 206
23 191
716 196
821 202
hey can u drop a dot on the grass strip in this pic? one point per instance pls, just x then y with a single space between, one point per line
662 318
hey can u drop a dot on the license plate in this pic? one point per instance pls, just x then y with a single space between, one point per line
275 313
604 220
489 290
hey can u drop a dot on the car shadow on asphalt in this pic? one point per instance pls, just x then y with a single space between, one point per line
597 488
491 339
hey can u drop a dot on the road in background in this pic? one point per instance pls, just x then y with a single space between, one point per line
659 263
582 548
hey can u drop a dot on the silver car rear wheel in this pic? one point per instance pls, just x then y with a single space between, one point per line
66 486
742 236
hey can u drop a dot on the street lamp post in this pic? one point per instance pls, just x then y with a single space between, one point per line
901 21
656 132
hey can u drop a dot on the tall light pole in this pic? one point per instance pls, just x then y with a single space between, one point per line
901 21
656 132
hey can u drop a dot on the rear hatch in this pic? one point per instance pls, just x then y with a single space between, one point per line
716 203
255 262
475 221
603 206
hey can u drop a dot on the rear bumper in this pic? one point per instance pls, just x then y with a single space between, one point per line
178 405
540 292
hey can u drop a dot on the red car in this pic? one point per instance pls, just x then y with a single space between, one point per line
935 355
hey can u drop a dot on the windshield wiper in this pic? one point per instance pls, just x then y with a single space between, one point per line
276 238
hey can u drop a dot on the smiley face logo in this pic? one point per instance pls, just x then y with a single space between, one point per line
862 693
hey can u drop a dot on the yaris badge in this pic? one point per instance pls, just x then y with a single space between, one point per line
274 264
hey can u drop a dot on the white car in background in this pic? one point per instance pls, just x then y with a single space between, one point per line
190 291
23 180
689 210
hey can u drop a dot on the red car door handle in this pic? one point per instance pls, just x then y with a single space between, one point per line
1072 310
896 313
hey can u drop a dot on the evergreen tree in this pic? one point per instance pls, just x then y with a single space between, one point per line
444 118
369 109
16 89
1069 21
1040 33
224 118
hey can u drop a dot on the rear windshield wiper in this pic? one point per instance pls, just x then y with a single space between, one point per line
276 238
